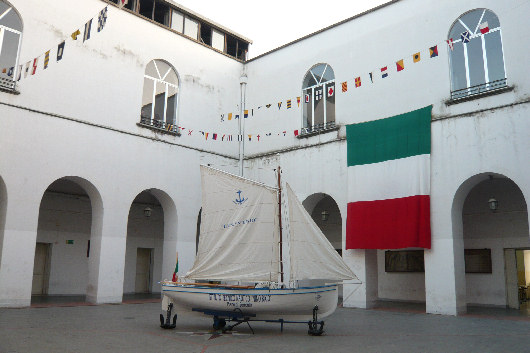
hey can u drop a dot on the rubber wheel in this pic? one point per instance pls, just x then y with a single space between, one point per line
219 324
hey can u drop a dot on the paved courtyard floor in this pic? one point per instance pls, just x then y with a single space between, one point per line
135 328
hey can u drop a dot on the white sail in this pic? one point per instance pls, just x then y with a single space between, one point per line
239 232
311 254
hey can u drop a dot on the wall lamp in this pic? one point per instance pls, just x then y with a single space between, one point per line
325 215
493 204
147 212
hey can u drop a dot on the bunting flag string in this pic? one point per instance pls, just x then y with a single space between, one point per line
357 81
32 66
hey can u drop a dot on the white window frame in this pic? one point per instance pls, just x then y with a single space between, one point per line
161 79
3 29
324 96
472 35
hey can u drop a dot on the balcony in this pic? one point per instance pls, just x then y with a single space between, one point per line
318 129
478 90
159 125
7 84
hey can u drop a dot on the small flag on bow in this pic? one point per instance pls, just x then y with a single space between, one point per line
175 273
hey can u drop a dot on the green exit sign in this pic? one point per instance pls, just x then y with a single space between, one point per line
70 241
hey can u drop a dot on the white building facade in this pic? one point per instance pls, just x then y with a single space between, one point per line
117 128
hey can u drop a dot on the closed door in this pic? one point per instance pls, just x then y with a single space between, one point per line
40 269
143 270
512 290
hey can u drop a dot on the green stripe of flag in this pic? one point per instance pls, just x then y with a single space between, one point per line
400 136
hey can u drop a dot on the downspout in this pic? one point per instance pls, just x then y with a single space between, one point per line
243 83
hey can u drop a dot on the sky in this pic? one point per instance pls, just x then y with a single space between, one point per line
270 24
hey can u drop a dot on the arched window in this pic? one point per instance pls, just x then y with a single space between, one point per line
318 94
477 59
10 35
159 102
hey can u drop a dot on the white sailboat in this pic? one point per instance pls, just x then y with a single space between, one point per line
245 238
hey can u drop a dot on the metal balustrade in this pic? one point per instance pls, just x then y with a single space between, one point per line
478 89
318 128
7 84
158 124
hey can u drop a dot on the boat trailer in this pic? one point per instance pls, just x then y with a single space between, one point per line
237 316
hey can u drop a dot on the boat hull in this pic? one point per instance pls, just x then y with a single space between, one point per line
294 304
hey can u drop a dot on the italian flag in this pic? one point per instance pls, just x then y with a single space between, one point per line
389 182
175 273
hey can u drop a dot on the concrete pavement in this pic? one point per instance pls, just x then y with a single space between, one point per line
135 328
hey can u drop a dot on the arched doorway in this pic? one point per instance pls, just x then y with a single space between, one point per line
494 226
151 244
62 253
145 236
326 214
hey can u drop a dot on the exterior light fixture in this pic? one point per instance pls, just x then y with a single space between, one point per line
493 204
325 215
147 212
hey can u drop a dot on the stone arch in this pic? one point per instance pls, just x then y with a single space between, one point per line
318 203
151 232
70 215
494 235
461 194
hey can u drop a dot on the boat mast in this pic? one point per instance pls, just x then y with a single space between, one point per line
280 223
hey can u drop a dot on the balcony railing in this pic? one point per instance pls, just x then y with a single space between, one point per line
318 128
159 125
7 84
478 89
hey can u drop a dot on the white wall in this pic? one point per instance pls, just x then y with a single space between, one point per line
109 69
400 286
95 94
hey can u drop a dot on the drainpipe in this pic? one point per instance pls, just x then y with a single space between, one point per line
243 82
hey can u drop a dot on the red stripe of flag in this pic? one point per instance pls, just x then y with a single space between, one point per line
389 224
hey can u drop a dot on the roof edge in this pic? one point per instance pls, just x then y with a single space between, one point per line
207 20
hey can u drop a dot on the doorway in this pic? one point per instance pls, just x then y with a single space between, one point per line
143 270
517 266
41 269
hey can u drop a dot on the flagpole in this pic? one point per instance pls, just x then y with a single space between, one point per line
243 82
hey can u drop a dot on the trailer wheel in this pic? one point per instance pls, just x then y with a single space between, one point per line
218 324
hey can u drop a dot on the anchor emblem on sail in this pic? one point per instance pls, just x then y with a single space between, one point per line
239 200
